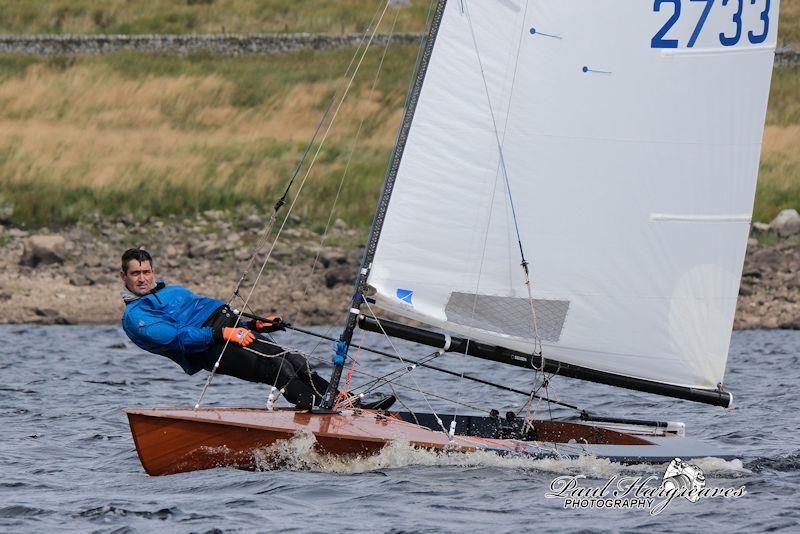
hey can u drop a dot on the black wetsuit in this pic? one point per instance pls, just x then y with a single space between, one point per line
290 372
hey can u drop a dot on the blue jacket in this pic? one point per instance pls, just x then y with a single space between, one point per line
170 322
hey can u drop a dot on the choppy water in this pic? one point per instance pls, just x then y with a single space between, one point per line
68 461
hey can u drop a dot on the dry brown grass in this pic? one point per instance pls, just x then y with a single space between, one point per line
157 135
94 127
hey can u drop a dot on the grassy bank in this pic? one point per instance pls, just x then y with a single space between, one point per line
129 133
198 16
152 135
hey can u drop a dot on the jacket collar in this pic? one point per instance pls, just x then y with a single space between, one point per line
129 296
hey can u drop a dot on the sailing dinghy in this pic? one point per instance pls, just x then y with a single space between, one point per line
570 193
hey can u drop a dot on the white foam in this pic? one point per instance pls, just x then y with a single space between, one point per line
299 453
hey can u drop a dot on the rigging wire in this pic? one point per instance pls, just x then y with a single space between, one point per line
294 201
434 368
425 398
391 383
524 261
345 338
350 156
494 185
485 238
282 201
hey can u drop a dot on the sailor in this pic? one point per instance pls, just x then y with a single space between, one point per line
192 331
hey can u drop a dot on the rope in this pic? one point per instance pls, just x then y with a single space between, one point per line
524 262
425 398
343 396
493 194
350 157
280 203
294 201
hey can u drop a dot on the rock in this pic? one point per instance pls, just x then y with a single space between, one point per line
752 241
170 251
92 261
791 324
340 224
252 221
242 254
43 249
760 228
80 279
332 257
6 211
213 215
292 233
17 233
107 279
338 275
787 223
233 237
204 248
50 316
5 296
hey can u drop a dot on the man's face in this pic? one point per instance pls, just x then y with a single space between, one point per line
140 278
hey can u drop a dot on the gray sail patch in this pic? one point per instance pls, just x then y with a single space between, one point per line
508 315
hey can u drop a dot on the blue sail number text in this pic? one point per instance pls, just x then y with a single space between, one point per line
729 36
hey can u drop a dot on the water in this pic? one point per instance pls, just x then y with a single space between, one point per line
68 461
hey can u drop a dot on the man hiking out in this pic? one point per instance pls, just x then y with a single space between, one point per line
192 330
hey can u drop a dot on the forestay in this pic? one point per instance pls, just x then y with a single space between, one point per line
630 134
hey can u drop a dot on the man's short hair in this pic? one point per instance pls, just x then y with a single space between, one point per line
137 254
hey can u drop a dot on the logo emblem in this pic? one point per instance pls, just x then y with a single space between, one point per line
688 479
654 493
405 295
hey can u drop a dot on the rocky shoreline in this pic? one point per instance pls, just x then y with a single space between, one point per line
70 275
224 44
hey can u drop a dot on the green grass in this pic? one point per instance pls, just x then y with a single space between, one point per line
778 185
154 135
784 97
199 16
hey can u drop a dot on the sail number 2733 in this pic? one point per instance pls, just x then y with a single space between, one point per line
728 36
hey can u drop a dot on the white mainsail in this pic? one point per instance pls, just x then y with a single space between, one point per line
630 135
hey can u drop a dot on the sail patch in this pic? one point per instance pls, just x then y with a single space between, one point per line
508 315
405 295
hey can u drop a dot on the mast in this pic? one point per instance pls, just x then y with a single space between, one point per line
343 345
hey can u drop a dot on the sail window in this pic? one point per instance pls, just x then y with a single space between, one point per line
508 315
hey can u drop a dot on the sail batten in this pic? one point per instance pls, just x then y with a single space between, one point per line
633 173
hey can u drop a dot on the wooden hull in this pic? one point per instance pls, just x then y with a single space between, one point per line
175 440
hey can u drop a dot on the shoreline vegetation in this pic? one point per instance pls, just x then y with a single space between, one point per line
140 145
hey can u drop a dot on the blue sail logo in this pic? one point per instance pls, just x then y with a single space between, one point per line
405 295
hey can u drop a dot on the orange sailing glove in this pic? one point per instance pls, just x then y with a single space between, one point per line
242 336
273 323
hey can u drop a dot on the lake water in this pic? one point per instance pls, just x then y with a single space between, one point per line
69 464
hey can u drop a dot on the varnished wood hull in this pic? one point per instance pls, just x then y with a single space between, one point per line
175 440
